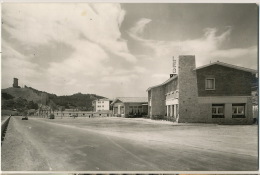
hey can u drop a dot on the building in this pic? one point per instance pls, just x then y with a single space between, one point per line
130 106
45 111
102 105
88 114
214 93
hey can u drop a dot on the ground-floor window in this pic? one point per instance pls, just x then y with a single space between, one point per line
238 110
218 111
133 110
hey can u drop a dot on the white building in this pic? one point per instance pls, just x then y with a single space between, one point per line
101 104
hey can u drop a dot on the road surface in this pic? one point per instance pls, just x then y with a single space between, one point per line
119 144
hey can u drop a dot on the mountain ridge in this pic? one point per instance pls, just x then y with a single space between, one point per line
77 100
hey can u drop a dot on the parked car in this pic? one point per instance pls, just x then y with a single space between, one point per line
74 116
25 118
51 116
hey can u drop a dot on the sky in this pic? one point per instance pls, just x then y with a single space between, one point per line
119 50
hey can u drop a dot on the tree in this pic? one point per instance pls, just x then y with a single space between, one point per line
62 108
32 105
53 106
7 96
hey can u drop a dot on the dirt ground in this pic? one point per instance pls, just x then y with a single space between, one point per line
123 144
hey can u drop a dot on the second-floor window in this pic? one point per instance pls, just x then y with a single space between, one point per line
210 84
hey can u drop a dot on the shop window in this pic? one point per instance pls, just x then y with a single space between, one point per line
218 111
210 84
238 110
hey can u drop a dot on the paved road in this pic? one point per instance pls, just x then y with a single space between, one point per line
64 145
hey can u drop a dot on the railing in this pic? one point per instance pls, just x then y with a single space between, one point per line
4 125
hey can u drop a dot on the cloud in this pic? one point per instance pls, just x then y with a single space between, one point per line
206 48
15 64
139 27
91 31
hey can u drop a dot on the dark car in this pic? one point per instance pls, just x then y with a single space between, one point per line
74 116
25 118
51 116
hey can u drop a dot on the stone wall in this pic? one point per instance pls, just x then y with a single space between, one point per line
158 101
206 114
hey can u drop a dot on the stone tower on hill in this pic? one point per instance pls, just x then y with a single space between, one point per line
15 83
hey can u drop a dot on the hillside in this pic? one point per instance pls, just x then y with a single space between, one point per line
81 101
24 93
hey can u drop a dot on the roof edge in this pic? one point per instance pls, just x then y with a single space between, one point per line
167 81
228 65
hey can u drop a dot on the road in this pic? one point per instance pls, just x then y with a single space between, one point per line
114 144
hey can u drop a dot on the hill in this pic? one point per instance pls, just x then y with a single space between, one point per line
23 93
79 100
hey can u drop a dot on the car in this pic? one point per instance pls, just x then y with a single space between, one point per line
25 118
74 116
51 116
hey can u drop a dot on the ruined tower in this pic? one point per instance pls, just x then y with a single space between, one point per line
15 83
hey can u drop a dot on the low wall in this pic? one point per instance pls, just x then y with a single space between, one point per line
4 125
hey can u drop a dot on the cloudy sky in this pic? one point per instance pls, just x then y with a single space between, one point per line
119 49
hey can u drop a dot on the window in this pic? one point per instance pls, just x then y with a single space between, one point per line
210 84
218 111
238 110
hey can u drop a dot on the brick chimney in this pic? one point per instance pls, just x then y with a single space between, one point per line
188 89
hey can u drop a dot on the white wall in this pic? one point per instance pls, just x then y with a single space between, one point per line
102 105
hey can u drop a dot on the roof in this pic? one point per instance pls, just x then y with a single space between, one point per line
215 63
102 99
228 65
167 81
132 99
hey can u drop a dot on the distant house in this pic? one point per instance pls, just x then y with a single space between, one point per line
102 105
130 106
214 93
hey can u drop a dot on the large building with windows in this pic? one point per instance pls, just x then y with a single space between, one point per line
214 93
